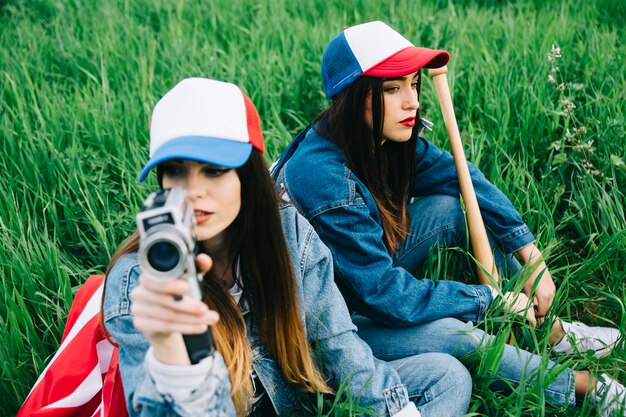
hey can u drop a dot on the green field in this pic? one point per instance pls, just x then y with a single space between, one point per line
78 80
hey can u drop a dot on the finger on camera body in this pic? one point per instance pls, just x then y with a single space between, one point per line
159 329
204 263
143 299
149 324
175 287
143 294
165 314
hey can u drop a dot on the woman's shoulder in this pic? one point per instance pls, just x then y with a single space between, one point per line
295 225
120 281
123 266
300 235
316 157
316 177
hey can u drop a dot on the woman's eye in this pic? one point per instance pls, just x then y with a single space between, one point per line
215 172
173 170
414 85
391 89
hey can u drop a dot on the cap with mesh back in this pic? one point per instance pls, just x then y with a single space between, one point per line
373 49
204 120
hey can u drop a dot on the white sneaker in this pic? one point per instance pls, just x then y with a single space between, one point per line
581 338
609 396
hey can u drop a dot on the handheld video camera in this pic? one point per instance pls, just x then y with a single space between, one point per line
167 250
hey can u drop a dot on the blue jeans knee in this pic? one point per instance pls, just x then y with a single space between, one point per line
436 220
436 382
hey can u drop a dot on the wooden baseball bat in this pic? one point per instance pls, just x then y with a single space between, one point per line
478 235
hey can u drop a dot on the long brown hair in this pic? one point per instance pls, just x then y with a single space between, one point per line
387 170
269 283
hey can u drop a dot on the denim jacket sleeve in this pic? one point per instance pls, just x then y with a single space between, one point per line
344 356
211 398
384 293
436 174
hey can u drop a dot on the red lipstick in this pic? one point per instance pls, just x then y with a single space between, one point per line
201 216
408 122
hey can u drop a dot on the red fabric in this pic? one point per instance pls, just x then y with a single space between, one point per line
81 298
254 124
113 393
83 377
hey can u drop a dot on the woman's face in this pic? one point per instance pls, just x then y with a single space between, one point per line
400 104
214 193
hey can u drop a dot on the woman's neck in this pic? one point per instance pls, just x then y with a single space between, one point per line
224 272
222 259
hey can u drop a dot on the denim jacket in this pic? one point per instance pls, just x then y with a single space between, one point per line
342 355
313 174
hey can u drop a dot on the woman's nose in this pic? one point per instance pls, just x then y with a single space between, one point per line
194 186
410 101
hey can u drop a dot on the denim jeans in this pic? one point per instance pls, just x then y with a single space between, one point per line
444 225
438 384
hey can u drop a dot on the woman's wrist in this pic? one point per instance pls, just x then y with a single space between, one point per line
179 382
170 350
529 253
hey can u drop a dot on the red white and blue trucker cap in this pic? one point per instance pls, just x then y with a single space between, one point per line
204 120
373 49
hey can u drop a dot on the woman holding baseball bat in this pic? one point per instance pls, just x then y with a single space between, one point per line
380 197
280 326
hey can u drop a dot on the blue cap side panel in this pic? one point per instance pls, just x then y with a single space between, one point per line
339 66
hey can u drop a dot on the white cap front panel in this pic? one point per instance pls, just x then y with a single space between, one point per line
373 42
187 111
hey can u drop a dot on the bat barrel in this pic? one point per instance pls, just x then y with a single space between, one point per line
481 248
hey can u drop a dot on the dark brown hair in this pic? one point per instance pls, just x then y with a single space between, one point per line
387 170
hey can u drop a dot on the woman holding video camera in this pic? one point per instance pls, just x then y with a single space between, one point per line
280 325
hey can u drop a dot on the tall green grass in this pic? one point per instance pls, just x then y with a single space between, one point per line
78 80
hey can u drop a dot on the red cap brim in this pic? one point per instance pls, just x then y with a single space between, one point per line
409 60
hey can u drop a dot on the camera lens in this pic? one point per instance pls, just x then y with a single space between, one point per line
163 256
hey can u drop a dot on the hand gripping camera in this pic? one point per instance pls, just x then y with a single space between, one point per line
167 250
